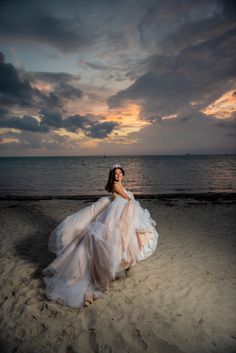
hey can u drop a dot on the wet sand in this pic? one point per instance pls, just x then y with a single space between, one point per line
181 299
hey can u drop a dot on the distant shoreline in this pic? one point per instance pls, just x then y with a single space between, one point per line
205 196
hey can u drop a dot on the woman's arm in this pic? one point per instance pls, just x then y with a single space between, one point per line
119 190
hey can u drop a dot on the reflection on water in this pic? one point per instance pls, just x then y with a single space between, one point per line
143 174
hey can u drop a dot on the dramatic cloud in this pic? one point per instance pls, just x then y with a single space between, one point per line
80 75
39 22
60 83
90 126
13 90
196 75
101 130
19 88
54 120
26 123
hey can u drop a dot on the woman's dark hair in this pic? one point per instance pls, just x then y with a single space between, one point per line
111 178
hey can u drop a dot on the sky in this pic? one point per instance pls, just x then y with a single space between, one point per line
144 77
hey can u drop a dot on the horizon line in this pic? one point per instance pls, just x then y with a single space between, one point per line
125 155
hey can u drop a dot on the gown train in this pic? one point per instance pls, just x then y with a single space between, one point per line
93 245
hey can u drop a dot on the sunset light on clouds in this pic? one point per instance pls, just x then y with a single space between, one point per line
224 107
100 78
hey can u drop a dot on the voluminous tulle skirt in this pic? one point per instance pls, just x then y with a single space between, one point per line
95 244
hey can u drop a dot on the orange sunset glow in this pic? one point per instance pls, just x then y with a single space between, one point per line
129 121
223 107
110 77
43 86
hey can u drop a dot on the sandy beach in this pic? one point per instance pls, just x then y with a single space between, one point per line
181 299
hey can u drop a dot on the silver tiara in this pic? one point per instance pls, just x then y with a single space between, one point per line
116 165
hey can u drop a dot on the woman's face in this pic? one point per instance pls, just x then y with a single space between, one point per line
118 174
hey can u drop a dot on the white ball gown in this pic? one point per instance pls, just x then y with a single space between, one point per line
93 245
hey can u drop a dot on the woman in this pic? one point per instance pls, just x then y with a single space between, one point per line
96 243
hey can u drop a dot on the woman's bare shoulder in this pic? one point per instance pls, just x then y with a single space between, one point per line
119 189
117 185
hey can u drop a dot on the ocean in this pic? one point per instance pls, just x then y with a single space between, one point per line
144 175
